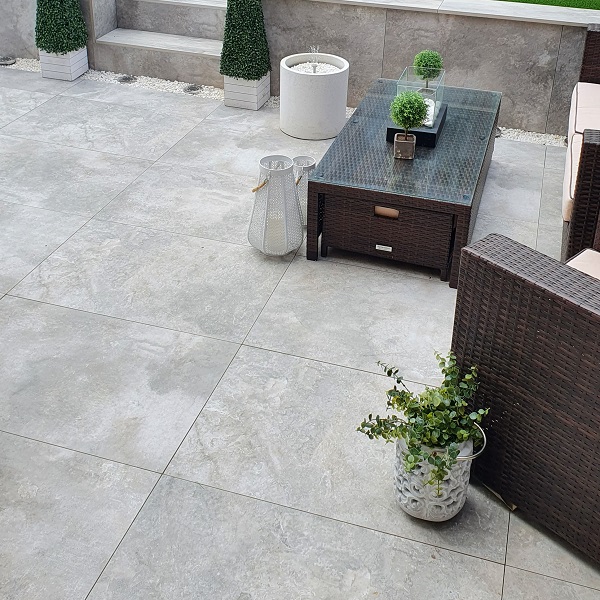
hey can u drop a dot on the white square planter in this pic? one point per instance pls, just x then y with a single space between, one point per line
64 66
242 93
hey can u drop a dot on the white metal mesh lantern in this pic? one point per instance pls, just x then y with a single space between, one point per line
276 223
303 165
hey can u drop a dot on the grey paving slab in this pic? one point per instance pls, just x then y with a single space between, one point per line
242 119
523 585
59 178
551 199
549 240
325 466
32 81
532 548
191 201
180 282
63 514
211 544
555 158
524 232
215 146
104 386
354 317
512 191
105 127
520 153
16 103
29 235
189 107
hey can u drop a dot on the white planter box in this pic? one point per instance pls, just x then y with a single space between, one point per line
64 66
313 105
242 93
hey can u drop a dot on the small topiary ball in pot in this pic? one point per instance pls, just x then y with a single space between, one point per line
408 110
428 65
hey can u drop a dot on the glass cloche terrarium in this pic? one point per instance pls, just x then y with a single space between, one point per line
416 79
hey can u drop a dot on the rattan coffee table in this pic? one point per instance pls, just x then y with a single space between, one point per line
419 211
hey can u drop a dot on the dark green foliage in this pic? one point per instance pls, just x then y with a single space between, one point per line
59 26
437 418
428 64
245 48
408 110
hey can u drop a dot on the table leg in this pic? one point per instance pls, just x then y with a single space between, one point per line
313 224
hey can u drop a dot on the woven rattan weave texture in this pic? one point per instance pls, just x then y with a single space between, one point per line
532 326
436 194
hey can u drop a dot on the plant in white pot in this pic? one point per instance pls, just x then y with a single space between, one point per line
313 95
245 62
408 111
61 37
435 433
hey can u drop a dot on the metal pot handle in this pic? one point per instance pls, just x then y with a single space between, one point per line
472 456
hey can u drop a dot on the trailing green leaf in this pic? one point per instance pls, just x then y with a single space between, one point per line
245 51
59 26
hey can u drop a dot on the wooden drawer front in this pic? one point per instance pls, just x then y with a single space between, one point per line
419 237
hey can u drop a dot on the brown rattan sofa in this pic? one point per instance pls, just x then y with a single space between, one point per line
581 197
532 325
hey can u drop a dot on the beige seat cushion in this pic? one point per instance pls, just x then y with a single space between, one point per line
588 262
585 114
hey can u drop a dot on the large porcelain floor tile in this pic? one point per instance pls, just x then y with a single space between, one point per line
354 317
16 103
32 81
243 119
105 127
180 282
551 205
293 441
104 386
216 146
512 191
194 108
195 542
28 236
512 151
61 178
523 585
535 549
524 232
549 240
191 201
63 514
555 158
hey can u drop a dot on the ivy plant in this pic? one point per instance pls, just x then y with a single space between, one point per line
245 51
434 422
428 65
59 26
408 110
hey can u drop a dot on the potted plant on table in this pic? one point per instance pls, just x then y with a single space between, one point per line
245 62
61 37
408 110
428 65
435 433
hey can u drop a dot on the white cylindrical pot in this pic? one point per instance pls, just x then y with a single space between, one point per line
276 222
420 499
313 105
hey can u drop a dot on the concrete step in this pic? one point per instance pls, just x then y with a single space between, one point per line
193 18
163 55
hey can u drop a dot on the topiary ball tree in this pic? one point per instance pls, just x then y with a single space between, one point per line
428 65
408 110
245 51
59 26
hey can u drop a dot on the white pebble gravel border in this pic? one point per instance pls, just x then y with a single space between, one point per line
206 91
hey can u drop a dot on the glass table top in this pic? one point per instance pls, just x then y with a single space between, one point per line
360 157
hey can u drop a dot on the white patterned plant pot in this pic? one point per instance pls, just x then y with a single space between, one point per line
67 66
244 93
420 499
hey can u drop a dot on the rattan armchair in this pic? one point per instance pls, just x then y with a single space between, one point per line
579 232
532 325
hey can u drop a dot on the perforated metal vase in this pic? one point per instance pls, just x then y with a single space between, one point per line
303 165
276 223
